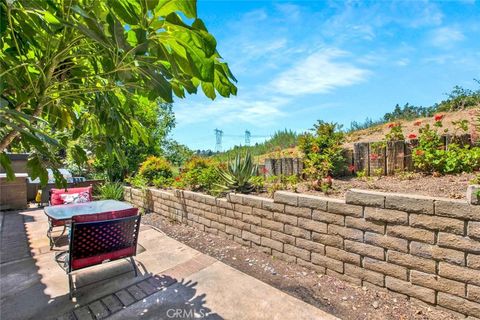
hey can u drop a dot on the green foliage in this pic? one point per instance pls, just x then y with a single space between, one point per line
200 174
176 153
238 174
73 67
430 155
111 190
137 181
323 150
156 170
279 140
459 99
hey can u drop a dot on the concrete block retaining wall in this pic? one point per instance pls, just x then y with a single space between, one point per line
422 247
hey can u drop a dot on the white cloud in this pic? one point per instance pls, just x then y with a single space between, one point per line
319 72
403 62
446 37
248 109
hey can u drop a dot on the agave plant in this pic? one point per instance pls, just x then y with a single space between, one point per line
238 174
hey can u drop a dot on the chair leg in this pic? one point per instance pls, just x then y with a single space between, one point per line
134 266
70 286
49 235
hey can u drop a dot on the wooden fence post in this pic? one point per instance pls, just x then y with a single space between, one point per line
361 155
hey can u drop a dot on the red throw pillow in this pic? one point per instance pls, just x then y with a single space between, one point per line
55 194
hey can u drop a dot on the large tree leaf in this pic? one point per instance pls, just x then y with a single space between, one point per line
187 7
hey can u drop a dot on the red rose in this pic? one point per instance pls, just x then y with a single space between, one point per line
439 117
412 136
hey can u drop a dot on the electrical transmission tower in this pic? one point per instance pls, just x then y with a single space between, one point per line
218 138
247 137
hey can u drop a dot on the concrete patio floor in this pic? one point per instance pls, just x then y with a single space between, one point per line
174 282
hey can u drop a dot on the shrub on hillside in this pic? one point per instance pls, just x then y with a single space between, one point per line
322 149
430 156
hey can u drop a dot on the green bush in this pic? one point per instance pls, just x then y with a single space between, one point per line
111 190
198 174
323 150
156 169
430 155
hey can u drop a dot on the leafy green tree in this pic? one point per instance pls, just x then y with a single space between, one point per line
84 66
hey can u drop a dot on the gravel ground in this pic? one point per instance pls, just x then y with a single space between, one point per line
332 295
448 186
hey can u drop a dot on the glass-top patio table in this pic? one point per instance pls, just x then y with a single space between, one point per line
67 211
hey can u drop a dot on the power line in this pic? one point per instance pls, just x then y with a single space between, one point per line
218 138
247 137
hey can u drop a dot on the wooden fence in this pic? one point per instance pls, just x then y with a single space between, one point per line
373 158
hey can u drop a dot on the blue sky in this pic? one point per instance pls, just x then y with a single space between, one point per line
300 61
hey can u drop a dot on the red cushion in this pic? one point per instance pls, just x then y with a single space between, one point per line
106 215
91 261
55 194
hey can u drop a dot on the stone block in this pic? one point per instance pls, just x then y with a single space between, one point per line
452 241
346 233
298 211
409 203
386 242
473 230
385 268
467 275
386 215
457 209
410 233
246 235
362 224
297 232
459 304
364 249
297 252
285 197
267 242
435 252
312 225
342 255
364 274
411 262
340 207
404 287
313 202
437 223
327 262
328 239
272 225
285 218
310 245
365 198
328 217
282 237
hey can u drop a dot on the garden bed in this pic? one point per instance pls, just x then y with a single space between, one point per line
448 186
327 293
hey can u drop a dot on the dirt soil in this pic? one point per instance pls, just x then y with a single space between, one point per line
332 295
448 186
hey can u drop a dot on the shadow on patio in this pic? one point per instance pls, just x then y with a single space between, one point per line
34 285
